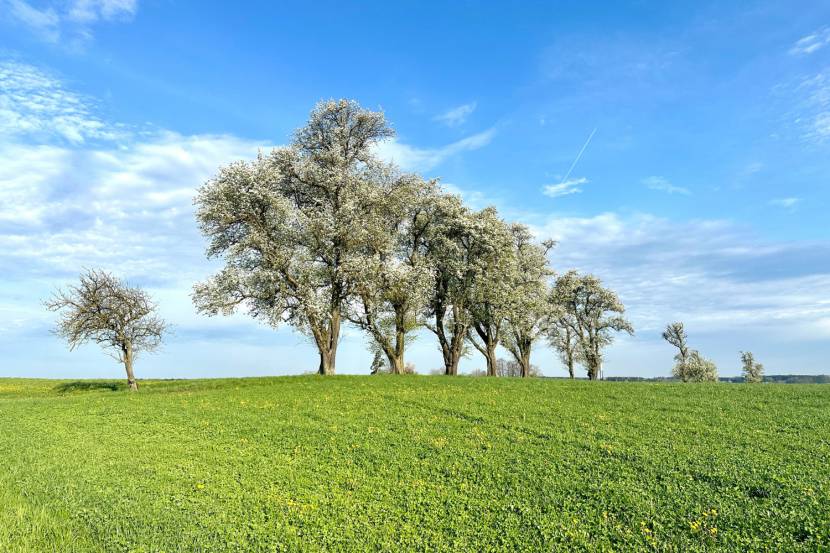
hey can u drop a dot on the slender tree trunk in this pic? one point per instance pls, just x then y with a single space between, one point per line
452 346
570 365
128 365
487 348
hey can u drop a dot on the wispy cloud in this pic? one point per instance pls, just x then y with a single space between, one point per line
35 104
457 115
412 158
664 185
813 106
787 203
564 188
43 22
70 21
811 43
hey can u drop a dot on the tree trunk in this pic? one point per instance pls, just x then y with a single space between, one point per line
525 363
490 355
128 365
455 357
593 368
326 362
452 347
327 343
569 358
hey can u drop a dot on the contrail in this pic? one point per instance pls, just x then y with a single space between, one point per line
579 155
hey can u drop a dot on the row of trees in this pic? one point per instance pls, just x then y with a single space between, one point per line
322 233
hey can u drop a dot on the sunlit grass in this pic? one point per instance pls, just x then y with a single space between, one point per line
399 463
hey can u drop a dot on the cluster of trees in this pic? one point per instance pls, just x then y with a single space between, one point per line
323 233
691 366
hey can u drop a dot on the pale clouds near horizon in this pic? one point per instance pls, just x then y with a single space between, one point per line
91 193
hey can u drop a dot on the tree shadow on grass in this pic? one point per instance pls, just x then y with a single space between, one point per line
89 386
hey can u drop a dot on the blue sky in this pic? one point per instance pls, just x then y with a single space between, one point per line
701 195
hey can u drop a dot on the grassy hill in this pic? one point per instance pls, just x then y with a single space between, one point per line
412 463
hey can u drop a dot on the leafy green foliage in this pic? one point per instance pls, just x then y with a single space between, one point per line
421 463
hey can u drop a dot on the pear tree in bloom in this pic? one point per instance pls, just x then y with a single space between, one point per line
491 292
392 277
288 224
103 309
592 313
675 334
690 365
529 316
562 339
752 370
452 245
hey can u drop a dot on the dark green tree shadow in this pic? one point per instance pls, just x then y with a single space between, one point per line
89 386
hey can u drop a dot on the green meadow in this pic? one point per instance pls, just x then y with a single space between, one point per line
385 463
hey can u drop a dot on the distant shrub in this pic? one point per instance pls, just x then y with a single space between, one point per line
505 367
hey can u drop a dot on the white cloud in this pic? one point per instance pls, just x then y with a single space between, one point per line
35 104
662 184
811 43
786 203
128 208
67 21
564 188
710 273
412 158
89 11
457 115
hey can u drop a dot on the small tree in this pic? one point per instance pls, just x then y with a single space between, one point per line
675 334
592 313
105 310
690 365
752 370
